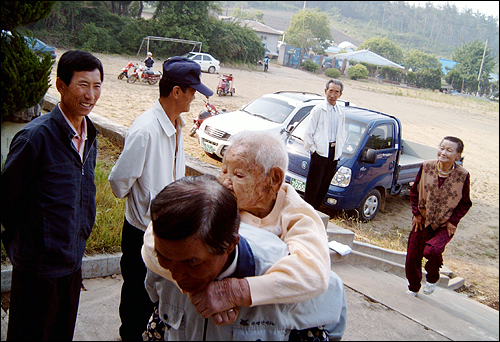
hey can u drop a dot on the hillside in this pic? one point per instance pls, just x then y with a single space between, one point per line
433 30
280 20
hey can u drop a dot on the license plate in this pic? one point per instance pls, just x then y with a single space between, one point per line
298 184
209 148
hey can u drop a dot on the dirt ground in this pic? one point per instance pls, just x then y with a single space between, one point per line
426 117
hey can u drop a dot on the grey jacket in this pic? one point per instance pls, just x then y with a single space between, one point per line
258 250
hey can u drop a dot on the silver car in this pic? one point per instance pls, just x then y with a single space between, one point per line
207 62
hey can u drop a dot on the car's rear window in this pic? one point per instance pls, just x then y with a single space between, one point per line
270 109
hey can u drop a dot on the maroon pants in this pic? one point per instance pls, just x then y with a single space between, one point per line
426 243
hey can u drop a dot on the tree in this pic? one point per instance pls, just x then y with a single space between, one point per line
383 47
357 71
454 79
309 30
469 57
417 60
25 75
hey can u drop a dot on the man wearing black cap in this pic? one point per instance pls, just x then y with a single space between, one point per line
152 157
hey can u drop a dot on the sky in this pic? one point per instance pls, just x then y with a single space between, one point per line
486 7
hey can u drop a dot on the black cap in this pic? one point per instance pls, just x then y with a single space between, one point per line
181 70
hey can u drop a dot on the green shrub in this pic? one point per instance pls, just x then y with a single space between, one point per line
25 76
309 66
332 72
357 71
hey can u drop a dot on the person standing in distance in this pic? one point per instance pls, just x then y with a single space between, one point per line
48 205
152 157
324 139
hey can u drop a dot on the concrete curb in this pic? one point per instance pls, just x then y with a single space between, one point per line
95 266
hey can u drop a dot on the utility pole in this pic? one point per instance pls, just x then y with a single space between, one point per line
481 69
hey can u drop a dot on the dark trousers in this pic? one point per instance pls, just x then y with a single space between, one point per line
426 243
135 306
43 309
321 172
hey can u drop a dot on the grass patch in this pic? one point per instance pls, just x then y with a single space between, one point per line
395 238
110 211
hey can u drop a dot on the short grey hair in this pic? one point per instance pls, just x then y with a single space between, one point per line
266 148
337 82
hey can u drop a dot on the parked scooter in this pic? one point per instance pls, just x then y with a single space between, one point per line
204 114
225 85
125 70
147 76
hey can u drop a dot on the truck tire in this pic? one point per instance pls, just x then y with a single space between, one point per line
369 206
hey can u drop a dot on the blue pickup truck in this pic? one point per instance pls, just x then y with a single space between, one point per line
375 161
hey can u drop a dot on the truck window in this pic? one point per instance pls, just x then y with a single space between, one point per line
381 137
300 114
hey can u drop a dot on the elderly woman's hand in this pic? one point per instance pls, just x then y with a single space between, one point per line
417 222
451 229
221 296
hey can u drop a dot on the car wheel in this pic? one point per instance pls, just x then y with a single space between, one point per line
211 69
369 206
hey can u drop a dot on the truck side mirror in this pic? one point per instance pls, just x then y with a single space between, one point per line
370 156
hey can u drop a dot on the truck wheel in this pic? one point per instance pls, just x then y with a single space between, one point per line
369 206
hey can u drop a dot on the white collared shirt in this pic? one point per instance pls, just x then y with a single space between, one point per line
333 118
148 163
78 140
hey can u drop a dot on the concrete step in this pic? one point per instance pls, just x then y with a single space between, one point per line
387 254
448 313
339 234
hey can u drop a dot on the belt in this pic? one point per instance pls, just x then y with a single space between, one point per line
332 144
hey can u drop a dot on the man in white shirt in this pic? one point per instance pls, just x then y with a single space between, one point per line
324 139
152 157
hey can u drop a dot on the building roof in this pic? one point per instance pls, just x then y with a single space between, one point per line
258 27
368 57
336 49
347 45
446 63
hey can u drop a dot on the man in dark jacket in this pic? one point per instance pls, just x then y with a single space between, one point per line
48 205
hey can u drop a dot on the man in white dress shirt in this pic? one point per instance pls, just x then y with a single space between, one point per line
152 157
324 139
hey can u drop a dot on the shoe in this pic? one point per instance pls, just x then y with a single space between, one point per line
429 288
411 293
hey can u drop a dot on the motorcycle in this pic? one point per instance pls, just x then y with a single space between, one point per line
144 75
204 114
125 70
225 85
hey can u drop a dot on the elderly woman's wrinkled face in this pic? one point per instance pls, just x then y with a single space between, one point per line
246 180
